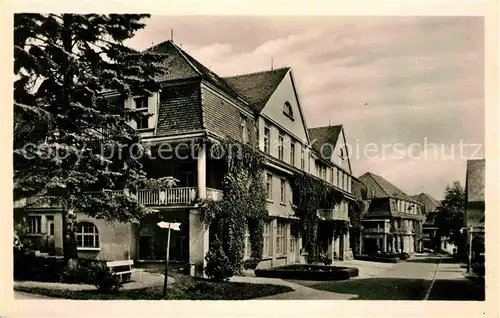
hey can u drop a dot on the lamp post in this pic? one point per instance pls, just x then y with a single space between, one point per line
469 263
469 230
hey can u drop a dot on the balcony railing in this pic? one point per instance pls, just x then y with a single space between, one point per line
173 196
332 214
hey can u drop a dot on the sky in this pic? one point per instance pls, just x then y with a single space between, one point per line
409 91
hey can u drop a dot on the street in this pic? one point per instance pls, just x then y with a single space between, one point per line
431 277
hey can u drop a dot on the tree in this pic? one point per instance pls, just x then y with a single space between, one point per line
450 216
72 142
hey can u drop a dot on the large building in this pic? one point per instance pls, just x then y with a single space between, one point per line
393 220
196 107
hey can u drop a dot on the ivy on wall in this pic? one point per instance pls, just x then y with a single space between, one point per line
243 204
311 194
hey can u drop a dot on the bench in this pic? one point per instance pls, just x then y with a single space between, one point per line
126 266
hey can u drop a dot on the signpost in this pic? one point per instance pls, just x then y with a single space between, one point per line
169 226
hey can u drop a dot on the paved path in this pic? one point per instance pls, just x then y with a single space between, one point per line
25 296
451 284
408 280
300 291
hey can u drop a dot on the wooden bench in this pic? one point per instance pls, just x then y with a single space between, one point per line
126 264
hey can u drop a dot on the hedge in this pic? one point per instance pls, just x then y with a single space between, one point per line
308 272
380 259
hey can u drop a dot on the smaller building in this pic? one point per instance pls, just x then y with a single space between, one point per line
474 205
393 222
430 235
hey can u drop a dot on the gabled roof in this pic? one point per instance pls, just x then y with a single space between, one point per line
430 204
475 182
381 188
328 135
181 65
257 88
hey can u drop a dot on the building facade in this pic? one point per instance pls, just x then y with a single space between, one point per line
194 109
431 238
393 221
474 217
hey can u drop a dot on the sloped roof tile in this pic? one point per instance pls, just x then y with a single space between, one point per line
181 65
324 139
430 204
382 188
257 88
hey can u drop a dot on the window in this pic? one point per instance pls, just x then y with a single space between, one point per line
245 133
292 153
282 190
331 175
34 224
338 178
87 235
248 246
302 159
267 139
269 186
280 146
141 104
266 251
287 110
280 238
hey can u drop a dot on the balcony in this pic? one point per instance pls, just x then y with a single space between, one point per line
332 214
173 196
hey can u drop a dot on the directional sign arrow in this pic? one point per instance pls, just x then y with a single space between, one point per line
168 225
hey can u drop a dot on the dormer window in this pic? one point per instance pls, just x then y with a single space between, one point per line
287 110
245 133
141 104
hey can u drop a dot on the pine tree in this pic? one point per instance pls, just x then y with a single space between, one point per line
67 132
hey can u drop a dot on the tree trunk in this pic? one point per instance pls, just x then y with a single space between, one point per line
69 239
69 218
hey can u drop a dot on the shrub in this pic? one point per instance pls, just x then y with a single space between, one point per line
75 275
27 266
103 278
403 256
218 266
380 259
251 263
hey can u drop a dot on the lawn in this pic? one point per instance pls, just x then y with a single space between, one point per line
185 287
379 288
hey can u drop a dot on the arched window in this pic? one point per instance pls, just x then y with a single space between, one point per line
287 109
87 235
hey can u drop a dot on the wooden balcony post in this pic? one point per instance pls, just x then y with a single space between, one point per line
202 172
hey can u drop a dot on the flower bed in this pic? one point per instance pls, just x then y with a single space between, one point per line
308 272
381 259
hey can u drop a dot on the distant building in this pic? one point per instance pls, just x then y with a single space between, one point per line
393 220
474 203
430 236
